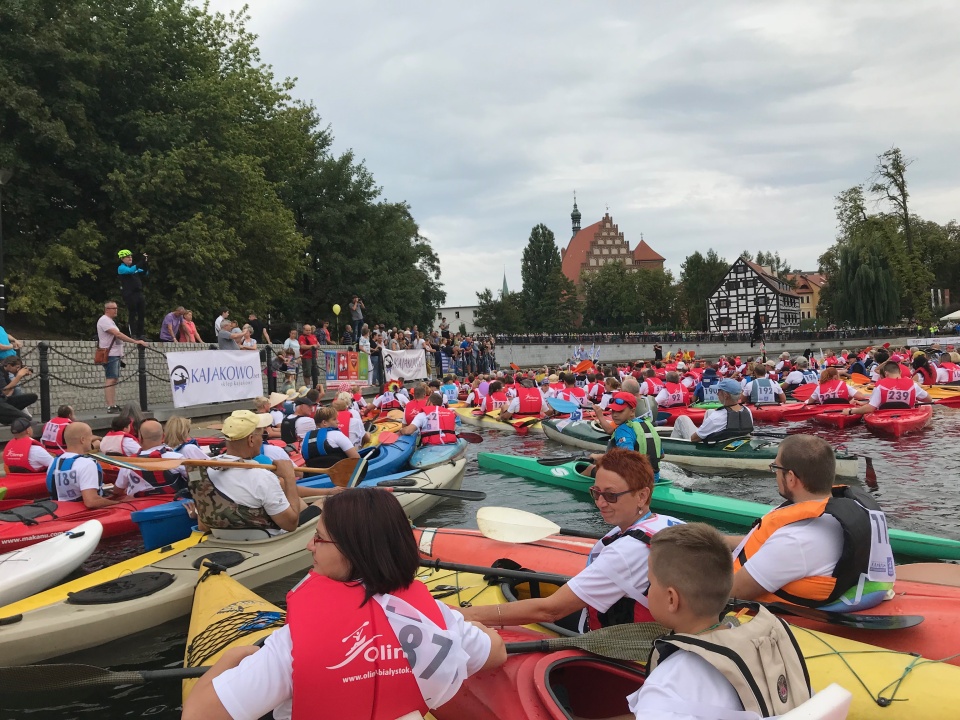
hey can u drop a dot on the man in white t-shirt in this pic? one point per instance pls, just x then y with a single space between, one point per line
302 420
75 476
109 336
151 441
795 553
731 420
252 489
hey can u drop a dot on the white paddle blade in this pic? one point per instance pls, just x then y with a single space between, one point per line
514 526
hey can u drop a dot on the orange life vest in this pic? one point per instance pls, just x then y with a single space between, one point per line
16 455
493 401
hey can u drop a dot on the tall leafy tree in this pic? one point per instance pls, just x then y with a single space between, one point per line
499 314
699 276
866 293
560 307
540 259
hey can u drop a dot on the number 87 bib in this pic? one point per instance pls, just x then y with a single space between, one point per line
438 661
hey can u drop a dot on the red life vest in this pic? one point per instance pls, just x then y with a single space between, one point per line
441 427
834 392
343 421
594 391
953 371
412 409
556 387
679 395
928 374
165 482
653 386
572 394
531 402
16 455
52 436
121 435
478 398
494 401
389 403
380 686
897 393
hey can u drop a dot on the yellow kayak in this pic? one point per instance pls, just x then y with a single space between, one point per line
392 426
491 421
919 689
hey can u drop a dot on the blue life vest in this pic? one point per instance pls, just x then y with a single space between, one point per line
63 464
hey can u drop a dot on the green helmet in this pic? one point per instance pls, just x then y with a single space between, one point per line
124 253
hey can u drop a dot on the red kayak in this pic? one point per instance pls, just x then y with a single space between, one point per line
898 422
834 417
528 686
934 638
23 523
762 414
26 486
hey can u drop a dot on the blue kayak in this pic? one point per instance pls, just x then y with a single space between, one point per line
428 456
382 460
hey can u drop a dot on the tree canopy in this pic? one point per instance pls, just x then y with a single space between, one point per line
153 125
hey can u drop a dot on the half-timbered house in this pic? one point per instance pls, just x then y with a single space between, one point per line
747 289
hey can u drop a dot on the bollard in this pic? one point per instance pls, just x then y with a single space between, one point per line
44 382
271 375
142 377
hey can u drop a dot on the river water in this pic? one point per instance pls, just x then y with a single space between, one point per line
918 487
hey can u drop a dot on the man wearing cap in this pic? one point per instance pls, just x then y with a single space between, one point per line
232 498
631 432
732 420
706 389
23 454
298 423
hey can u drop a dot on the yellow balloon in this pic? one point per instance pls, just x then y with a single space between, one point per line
336 309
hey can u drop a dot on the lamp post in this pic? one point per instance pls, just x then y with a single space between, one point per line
5 174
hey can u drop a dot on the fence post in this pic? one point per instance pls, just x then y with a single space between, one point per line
44 382
142 377
271 375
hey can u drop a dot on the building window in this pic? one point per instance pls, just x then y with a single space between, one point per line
457 314
593 261
749 283
762 300
733 284
723 304
724 321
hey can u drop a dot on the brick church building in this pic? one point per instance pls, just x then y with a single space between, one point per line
602 243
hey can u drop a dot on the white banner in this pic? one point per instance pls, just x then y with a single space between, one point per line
211 376
406 364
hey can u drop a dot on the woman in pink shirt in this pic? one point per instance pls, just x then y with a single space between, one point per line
188 331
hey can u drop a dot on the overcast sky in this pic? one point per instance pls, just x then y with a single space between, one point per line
725 125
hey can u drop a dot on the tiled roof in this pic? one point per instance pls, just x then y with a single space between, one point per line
818 279
771 280
645 253
576 252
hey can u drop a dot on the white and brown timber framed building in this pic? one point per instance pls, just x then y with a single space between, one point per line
747 289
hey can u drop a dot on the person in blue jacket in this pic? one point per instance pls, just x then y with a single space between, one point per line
131 289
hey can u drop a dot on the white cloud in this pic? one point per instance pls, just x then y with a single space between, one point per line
725 125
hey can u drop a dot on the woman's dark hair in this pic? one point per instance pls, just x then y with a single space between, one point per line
384 561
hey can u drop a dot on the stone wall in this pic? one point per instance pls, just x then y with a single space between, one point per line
76 381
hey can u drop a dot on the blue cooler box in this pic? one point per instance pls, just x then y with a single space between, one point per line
163 524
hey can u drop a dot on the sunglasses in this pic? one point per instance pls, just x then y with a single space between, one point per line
318 539
620 401
611 497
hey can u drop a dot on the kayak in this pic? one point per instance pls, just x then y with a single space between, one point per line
23 523
428 456
157 587
935 638
29 570
385 425
382 460
25 486
222 604
246 619
669 499
835 418
748 453
492 421
898 422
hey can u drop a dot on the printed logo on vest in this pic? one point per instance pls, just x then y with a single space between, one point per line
782 688
361 644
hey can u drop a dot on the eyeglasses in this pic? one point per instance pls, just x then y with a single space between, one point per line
318 539
774 467
611 497
111 307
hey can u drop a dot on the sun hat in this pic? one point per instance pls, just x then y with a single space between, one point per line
242 423
276 398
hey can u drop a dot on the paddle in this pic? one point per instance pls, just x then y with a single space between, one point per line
804 391
160 464
564 407
866 622
632 641
470 437
439 492
388 438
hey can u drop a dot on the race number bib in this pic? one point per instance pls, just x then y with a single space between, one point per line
50 432
67 485
710 394
765 393
881 554
436 657
901 396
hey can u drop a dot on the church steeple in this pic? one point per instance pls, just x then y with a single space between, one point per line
575 215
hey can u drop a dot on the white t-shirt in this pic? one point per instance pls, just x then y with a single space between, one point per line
680 680
291 344
304 425
713 422
688 383
802 549
276 417
218 323
794 377
38 458
134 483
276 454
82 475
192 452
251 487
773 390
356 429
105 338
337 439
119 445
264 681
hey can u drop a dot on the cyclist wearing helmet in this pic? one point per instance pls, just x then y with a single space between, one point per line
131 289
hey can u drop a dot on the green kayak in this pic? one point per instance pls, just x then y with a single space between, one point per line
751 453
672 499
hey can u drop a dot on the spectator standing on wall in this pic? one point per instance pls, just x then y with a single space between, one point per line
226 340
109 336
131 290
170 327
376 361
356 314
188 329
259 331
218 324
291 343
308 356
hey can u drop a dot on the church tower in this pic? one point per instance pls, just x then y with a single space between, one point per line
575 215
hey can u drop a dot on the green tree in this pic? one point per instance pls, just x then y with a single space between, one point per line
780 266
610 297
499 314
699 277
866 293
560 306
656 296
541 259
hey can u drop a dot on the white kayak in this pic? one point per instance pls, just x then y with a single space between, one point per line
32 569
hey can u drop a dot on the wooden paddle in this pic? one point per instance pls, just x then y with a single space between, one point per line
160 464
933 573
866 622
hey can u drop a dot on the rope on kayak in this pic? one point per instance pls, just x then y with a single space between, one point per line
879 698
455 574
217 636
